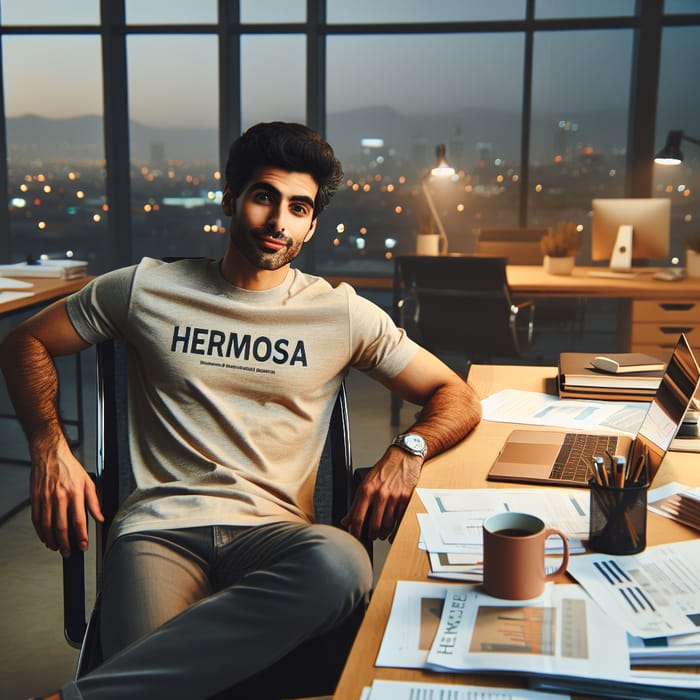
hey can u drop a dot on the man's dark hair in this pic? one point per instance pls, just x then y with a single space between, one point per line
286 145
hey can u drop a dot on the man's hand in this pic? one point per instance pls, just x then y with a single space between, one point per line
60 489
382 497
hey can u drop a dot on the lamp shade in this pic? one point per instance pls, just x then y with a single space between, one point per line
671 153
442 168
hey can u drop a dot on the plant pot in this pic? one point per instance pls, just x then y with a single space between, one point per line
428 244
558 266
692 263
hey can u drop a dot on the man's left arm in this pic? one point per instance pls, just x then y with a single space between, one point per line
451 409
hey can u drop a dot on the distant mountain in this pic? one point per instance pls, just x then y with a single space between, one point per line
406 136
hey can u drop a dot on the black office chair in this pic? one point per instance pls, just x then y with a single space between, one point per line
460 304
311 669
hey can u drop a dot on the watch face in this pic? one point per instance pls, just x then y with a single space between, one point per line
412 443
415 442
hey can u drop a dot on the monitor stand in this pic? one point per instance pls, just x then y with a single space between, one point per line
621 258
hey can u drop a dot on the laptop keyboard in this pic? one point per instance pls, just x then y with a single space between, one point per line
576 455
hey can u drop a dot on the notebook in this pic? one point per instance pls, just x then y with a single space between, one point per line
555 458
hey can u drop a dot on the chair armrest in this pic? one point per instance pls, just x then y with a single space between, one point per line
74 619
74 612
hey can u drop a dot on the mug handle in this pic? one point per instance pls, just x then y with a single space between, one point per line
565 555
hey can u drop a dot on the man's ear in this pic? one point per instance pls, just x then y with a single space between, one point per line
228 203
311 231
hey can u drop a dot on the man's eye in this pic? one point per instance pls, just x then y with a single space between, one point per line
263 196
300 209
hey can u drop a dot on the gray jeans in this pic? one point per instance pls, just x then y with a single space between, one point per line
187 613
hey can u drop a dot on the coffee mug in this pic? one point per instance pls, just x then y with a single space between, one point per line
514 555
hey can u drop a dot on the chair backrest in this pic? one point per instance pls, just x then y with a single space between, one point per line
520 246
458 303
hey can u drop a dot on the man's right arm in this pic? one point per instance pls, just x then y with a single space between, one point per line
60 488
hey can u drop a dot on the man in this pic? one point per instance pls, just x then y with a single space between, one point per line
234 367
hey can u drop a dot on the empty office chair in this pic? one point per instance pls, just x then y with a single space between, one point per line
519 246
462 303
311 669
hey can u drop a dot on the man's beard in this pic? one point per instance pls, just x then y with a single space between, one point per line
249 245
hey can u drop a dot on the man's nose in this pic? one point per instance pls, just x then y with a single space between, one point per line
276 220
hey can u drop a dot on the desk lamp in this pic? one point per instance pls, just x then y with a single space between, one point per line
671 154
440 171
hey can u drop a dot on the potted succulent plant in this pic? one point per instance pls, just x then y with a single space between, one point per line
560 246
692 255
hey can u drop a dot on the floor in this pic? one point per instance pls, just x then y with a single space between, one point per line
34 657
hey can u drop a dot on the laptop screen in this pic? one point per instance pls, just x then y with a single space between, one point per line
674 395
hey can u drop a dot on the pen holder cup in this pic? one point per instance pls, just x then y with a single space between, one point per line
618 523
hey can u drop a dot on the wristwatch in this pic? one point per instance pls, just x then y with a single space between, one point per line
411 443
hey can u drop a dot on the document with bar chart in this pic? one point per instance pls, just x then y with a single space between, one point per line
562 632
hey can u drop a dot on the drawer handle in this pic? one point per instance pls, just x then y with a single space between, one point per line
675 329
677 307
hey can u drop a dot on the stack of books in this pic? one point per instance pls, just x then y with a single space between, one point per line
621 376
58 269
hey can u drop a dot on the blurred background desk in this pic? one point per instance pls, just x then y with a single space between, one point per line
465 466
14 475
651 313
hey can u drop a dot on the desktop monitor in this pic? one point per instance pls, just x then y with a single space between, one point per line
630 229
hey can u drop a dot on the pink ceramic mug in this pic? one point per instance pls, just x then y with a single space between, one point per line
514 555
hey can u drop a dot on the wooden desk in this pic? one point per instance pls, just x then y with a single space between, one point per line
651 313
465 466
45 290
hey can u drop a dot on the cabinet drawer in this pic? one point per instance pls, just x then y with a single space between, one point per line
666 311
662 352
665 334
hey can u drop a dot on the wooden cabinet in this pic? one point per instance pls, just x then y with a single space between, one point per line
656 325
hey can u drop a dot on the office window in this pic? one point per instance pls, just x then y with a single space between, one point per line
53 99
578 137
170 11
677 7
391 101
273 78
398 11
47 12
175 173
679 108
273 11
548 9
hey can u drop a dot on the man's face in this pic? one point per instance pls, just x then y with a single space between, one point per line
273 216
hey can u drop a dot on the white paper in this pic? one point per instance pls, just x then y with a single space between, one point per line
561 632
11 283
533 408
413 621
566 509
6 297
409 690
655 593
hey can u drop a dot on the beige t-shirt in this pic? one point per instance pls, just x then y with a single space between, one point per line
230 391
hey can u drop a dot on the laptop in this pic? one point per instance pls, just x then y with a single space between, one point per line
564 458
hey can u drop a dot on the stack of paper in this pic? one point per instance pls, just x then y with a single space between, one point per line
682 505
654 596
561 641
451 530
60 269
